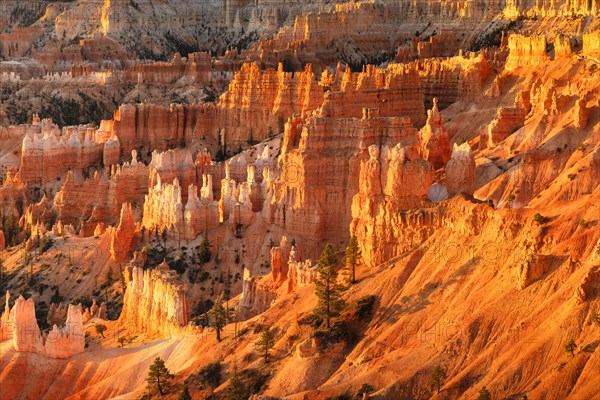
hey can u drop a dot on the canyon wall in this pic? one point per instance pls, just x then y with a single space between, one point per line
320 168
46 156
100 198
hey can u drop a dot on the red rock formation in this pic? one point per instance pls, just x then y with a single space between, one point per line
506 123
13 195
279 261
563 46
170 165
14 44
163 209
20 325
155 303
526 51
452 79
46 156
581 116
434 143
154 127
460 170
124 237
300 273
2 240
591 43
389 185
256 297
531 267
549 8
99 199
112 151
320 171
588 289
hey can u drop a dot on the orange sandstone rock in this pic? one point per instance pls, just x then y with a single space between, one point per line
155 303
526 51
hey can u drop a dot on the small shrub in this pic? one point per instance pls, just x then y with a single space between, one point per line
540 219
210 374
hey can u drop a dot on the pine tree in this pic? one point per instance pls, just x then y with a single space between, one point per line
265 342
2 274
109 276
327 288
352 258
218 316
437 376
204 253
211 374
158 377
185 394
484 394
100 329
570 347
236 389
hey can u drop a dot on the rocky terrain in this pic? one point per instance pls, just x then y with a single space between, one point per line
171 172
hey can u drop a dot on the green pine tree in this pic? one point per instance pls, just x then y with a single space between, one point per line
185 394
158 377
437 376
265 342
570 347
327 289
352 258
210 374
109 276
236 389
484 394
204 253
218 316
3 277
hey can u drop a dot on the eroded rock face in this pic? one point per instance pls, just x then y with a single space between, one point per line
461 170
300 273
320 171
531 267
581 116
279 261
123 237
163 209
97 200
155 303
390 184
526 51
591 43
256 296
2 240
20 325
434 143
52 152
548 8
506 123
